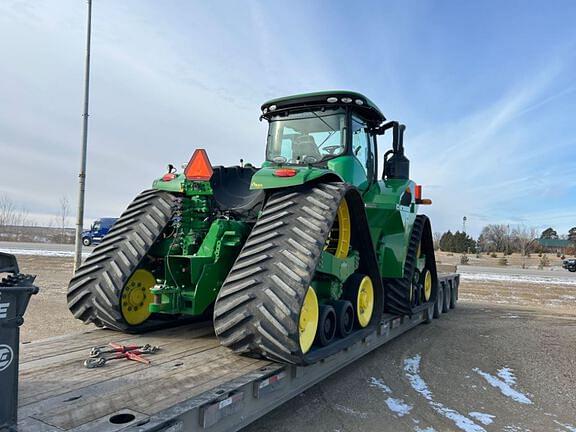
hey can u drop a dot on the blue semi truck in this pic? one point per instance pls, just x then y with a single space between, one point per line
97 231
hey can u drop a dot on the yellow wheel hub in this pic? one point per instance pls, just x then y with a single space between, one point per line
427 285
136 297
338 242
308 322
365 301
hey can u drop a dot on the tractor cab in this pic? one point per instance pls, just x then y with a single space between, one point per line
327 134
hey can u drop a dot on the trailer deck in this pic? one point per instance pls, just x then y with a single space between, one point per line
192 384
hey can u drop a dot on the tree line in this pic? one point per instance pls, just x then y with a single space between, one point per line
499 238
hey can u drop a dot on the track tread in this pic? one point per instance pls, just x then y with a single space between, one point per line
397 290
301 223
94 291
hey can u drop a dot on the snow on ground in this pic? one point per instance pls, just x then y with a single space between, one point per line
482 417
350 411
412 371
507 375
518 278
568 427
41 252
504 384
397 406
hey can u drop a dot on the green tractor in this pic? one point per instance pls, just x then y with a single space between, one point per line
293 261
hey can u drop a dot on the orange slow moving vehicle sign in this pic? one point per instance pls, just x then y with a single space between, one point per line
199 167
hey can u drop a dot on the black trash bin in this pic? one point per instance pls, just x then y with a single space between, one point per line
15 292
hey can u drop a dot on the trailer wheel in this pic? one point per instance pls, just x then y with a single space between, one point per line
446 300
453 295
439 303
326 325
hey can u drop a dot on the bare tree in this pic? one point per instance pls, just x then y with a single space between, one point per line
495 238
525 240
7 211
437 236
64 212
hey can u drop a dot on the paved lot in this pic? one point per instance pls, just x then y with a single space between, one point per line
478 368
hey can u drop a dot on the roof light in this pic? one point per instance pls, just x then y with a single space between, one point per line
346 99
265 110
332 99
199 167
168 177
272 108
285 172
359 102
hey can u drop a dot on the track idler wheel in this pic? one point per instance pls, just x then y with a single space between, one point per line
359 290
136 297
308 320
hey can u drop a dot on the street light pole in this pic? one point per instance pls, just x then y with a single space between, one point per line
82 174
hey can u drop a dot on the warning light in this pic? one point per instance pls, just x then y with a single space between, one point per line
199 167
418 192
285 172
168 177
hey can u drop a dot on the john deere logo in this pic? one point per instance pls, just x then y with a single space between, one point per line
6 356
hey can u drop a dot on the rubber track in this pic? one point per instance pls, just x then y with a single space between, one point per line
397 290
258 306
94 291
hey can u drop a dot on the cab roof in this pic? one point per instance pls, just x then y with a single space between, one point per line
357 101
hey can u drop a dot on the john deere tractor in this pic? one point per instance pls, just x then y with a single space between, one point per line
293 261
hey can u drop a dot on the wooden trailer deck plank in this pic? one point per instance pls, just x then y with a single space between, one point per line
59 391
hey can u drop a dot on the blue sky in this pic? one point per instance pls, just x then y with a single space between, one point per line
487 90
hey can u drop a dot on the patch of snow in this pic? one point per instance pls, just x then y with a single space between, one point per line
378 383
350 411
482 417
568 427
412 371
530 279
397 406
41 252
428 429
504 387
507 375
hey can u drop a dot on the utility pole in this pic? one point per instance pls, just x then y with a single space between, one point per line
82 174
464 224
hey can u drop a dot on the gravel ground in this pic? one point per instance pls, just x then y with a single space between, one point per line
504 360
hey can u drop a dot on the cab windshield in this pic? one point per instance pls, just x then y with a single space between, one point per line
306 137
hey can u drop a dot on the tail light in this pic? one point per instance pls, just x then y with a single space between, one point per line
285 172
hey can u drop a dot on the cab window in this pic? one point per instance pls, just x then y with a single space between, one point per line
361 144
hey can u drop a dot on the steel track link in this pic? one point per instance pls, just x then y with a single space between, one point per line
95 290
258 307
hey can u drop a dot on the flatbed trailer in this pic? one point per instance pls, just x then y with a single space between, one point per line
192 384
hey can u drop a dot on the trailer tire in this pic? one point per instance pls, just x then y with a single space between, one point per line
453 295
446 299
439 303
